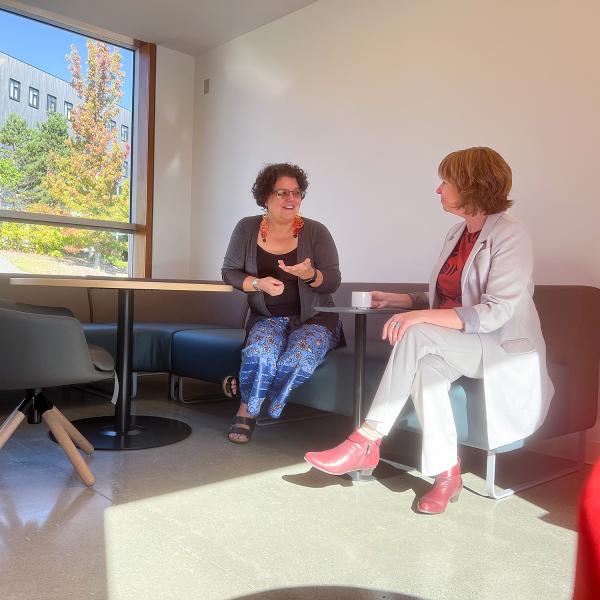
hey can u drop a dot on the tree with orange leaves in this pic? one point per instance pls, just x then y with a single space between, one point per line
85 180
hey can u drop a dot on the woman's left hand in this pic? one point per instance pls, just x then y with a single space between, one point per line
304 270
396 325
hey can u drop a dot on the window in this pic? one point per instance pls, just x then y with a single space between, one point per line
34 97
55 214
14 90
124 133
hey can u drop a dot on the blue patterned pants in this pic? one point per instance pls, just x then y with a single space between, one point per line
275 361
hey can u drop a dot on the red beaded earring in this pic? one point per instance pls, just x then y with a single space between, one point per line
264 227
298 224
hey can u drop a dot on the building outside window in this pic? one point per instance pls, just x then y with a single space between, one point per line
68 109
51 103
125 168
124 133
112 125
14 90
34 97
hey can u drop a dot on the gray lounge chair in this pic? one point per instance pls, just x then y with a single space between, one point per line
43 347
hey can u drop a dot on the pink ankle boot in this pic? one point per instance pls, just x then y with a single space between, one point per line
446 488
357 453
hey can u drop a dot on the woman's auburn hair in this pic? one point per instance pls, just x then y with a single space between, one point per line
269 174
482 178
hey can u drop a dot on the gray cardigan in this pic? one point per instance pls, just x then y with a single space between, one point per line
314 242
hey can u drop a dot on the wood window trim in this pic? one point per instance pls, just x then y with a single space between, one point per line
144 158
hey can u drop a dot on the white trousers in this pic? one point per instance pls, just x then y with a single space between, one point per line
422 366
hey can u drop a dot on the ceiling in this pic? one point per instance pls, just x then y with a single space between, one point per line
190 26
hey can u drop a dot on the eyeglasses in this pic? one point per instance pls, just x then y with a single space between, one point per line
283 194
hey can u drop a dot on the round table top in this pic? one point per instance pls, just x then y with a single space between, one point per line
123 283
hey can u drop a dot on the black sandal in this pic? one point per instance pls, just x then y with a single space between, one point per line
241 430
226 386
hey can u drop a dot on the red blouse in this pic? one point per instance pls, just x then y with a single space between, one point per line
448 288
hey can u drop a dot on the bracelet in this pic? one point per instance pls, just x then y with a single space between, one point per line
255 285
311 279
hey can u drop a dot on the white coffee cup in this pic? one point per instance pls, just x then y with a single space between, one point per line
361 299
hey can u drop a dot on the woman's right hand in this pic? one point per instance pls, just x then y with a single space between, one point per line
379 299
271 286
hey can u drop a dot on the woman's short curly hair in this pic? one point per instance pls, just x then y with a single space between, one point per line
482 178
265 180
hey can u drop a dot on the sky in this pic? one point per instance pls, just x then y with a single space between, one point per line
45 47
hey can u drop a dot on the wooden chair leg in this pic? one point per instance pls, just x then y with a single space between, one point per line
79 440
10 425
54 423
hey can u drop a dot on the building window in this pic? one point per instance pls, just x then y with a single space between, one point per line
68 109
14 90
51 103
124 133
112 125
34 97
125 168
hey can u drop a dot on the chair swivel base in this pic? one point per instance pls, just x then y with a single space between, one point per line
37 408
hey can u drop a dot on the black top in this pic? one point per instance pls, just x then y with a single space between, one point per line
288 303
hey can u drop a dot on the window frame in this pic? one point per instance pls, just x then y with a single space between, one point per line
36 96
13 84
67 109
48 109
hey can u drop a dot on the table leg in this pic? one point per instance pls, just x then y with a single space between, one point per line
124 356
360 349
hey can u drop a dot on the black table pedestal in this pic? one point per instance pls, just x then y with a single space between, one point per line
124 432
142 432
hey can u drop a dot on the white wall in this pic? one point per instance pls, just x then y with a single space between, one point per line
173 164
369 96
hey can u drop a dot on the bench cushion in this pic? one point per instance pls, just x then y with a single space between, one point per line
209 354
151 343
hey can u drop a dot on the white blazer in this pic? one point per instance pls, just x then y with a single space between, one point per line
497 305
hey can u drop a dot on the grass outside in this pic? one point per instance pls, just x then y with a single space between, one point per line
48 265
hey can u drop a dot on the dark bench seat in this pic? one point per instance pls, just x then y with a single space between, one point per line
209 354
152 352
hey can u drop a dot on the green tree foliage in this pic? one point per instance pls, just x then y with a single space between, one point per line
27 150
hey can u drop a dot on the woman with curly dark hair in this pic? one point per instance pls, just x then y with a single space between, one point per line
288 265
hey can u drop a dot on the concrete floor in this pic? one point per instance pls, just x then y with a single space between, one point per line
206 519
